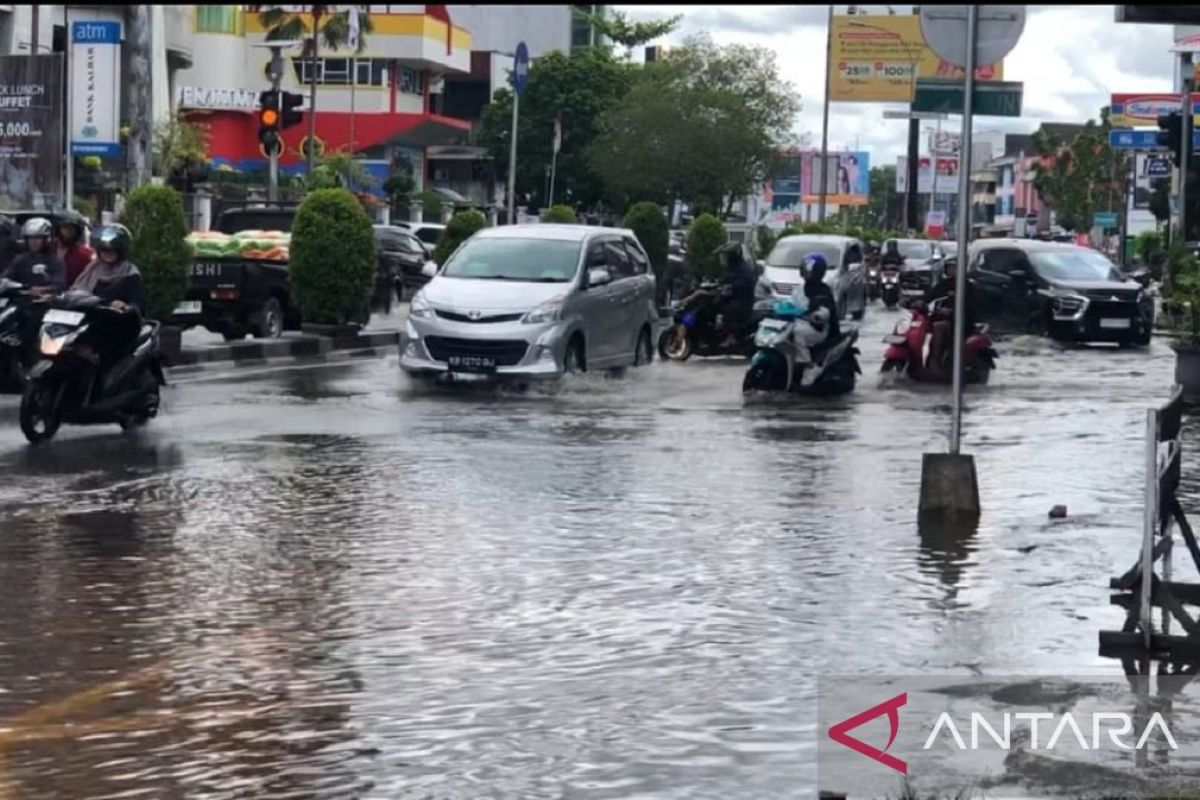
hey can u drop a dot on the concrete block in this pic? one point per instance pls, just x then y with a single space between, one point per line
949 484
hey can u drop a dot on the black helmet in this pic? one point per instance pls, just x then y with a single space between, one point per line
114 237
73 218
731 254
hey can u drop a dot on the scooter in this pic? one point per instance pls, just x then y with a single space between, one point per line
698 328
774 369
67 384
20 313
908 342
889 280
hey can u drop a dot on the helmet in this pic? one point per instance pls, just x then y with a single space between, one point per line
73 218
814 266
113 237
37 226
731 254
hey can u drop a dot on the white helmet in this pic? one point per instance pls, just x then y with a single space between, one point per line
37 226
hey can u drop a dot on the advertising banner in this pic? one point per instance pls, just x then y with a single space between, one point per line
847 178
873 59
95 88
945 143
1128 110
945 180
31 145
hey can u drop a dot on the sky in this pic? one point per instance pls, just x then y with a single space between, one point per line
1070 59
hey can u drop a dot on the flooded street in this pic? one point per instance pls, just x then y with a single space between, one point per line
327 582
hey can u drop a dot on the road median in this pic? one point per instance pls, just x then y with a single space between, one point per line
364 344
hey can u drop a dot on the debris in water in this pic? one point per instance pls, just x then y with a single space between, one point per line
1058 512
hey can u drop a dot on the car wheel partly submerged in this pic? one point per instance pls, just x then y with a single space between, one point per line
645 350
574 362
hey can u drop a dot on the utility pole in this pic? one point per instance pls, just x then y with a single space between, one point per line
824 177
35 34
139 84
312 90
1186 145
964 227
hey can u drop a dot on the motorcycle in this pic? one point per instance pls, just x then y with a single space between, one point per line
68 385
907 345
698 329
20 314
889 280
774 369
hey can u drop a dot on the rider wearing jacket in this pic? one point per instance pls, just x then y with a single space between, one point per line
739 282
943 328
38 267
891 256
820 318
69 245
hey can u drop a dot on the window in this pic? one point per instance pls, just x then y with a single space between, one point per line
392 241
520 260
618 259
1002 261
370 71
411 81
336 71
641 264
216 19
1074 265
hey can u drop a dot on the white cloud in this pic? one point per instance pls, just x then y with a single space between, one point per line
1070 59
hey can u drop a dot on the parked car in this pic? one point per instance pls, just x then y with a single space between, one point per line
402 257
846 274
427 233
922 261
1060 290
236 295
534 301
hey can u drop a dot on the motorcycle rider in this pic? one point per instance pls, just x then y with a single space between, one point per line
891 256
38 267
740 284
118 283
69 245
8 242
942 331
820 322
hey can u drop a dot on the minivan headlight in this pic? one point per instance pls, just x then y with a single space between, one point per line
1069 304
420 307
549 311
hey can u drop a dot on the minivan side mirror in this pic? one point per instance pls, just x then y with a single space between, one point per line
599 276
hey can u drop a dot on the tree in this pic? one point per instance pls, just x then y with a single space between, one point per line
154 216
705 236
284 24
1085 177
337 169
649 224
706 125
560 214
581 87
884 205
178 144
629 33
400 184
463 226
332 258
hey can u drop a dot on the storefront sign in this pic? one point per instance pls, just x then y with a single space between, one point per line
217 99
31 144
95 88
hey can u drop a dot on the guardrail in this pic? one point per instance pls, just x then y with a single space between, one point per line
1140 589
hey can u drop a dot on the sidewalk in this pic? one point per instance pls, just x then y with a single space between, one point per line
381 334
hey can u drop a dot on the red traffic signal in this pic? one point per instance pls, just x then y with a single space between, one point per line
289 109
268 122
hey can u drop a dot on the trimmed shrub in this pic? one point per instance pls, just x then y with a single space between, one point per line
154 216
462 226
431 205
705 236
332 260
564 215
649 224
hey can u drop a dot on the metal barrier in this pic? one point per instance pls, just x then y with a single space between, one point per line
1139 639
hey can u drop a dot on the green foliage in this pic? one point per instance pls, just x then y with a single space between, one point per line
178 144
282 23
764 241
400 184
334 170
705 236
1146 244
462 226
649 224
1185 299
154 216
561 214
582 87
705 124
1081 178
629 33
432 205
332 260
84 206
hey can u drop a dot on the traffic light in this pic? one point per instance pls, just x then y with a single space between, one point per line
289 109
1170 135
268 122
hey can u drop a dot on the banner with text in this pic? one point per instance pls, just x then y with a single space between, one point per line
945 181
847 182
1128 110
31 146
95 88
873 58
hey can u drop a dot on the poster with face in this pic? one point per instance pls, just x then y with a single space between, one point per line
31 132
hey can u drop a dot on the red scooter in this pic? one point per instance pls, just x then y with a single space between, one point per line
909 341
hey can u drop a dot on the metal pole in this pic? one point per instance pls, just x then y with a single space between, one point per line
273 178
512 162
1185 149
1149 523
69 167
964 227
35 43
312 90
912 196
1128 179
825 121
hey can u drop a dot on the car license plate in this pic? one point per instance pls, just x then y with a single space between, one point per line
57 316
1116 324
471 364
189 307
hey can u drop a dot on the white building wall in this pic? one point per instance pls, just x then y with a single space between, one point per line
542 28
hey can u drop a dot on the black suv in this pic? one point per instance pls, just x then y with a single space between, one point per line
1060 290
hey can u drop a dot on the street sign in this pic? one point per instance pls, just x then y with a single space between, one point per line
1157 167
1126 139
914 115
1104 219
521 68
997 30
991 98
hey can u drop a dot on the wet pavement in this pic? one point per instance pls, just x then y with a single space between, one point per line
327 582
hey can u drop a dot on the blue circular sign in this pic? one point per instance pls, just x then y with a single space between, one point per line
521 68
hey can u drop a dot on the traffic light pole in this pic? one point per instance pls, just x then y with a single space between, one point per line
275 73
1186 145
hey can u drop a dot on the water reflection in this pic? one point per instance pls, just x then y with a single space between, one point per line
947 545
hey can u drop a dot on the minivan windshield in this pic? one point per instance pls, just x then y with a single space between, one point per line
1074 265
791 252
524 260
914 248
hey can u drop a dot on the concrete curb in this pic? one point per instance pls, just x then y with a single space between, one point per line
255 353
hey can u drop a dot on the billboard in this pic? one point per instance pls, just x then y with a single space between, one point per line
96 88
873 57
847 178
942 175
31 134
945 143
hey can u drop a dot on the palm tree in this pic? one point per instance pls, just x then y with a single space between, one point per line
285 25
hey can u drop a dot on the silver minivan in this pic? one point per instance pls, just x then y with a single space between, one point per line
846 274
534 301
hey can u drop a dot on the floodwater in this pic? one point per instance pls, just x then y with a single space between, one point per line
329 583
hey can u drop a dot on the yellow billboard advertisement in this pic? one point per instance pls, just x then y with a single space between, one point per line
873 58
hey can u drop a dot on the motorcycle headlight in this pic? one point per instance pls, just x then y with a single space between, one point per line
549 311
420 307
53 345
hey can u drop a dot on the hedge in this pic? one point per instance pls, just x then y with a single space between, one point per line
463 226
705 236
560 214
154 216
332 259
